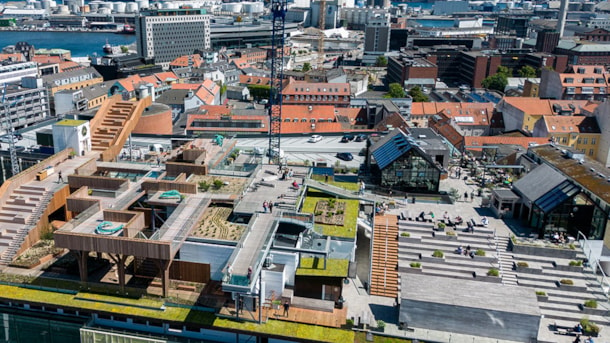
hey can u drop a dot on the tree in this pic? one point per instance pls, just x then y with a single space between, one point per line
306 66
417 95
259 91
527 71
396 91
124 49
382 61
497 82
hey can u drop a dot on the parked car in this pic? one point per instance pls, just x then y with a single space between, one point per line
346 156
315 139
347 138
361 138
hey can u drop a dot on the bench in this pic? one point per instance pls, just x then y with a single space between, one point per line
186 288
564 330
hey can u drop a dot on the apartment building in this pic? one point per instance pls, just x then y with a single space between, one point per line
15 71
24 103
579 82
166 34
307 93
579 132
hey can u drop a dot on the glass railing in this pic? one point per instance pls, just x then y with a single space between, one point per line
594 263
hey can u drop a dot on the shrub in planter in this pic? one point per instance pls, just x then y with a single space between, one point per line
566 282
541 293
493 272
522 264
450 233
572 246
589 328
441 226
438 253
405 234
349 323
575 263
592 303
415 265
480 252
380 324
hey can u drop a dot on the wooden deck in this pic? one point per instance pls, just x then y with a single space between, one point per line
298 315
384 278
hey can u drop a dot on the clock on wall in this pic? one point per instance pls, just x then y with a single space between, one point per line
84 131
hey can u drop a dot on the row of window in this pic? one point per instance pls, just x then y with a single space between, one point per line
586 80
317 97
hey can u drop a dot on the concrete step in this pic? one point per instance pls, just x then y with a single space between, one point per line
41 189
572 316
18 208
28 192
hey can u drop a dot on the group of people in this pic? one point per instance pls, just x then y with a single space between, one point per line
467 252
559 237
268 206
287 174
381 208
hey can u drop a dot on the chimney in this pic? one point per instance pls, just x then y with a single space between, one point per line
563 12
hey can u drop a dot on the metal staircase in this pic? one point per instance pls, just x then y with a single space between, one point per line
505 261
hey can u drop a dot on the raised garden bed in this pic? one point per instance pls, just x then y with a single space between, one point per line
567 268
519 268
330 212
215 224
42 252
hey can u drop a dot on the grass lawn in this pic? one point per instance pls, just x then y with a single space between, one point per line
360 337
311 266
129 307
350 186
278 327
348 230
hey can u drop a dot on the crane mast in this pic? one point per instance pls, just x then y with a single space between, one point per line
322 25
15 169
278 10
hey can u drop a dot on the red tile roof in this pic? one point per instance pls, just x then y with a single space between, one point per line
316 88
502 140
188 60
455 108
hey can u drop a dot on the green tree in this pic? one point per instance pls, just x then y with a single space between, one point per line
417 95
124 49
497 82
382 61
504 70
306 66
396 91
527 71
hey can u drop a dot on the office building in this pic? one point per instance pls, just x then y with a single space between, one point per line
170 33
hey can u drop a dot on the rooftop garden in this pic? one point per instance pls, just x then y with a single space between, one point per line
313 266
154 309
215 224
350 215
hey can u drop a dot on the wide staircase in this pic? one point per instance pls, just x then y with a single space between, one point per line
112 125
418 240
19 214
384 276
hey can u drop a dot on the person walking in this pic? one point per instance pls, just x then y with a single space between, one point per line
265 205
60 178
286 308
270 206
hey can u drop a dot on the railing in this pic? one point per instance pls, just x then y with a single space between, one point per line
594 263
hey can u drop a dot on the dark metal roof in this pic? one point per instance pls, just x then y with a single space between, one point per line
388 150
557 195
538 182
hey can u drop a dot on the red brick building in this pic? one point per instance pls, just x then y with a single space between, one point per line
309 93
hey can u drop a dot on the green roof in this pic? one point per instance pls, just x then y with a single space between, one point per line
312 266
71 122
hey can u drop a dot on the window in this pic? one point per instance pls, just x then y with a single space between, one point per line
593 141
564 140
590 152
579 140
585 140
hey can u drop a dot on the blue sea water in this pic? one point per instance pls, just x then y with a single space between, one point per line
81 44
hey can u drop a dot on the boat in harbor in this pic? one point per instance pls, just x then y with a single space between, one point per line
107 47
127 30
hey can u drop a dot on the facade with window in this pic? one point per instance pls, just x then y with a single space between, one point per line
310 93
580 82
578 132
398 162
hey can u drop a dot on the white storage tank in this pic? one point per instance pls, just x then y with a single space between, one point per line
106 5
233 7
142 4
104 11
253 7
131 7
94 5
63 9
45 4
118 7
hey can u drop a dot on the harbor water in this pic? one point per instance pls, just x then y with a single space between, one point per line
81 44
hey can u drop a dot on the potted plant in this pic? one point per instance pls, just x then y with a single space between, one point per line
480 252
405 234
591 303
542 296
567 282
493 272
349 324
415 265
438 254
441 226
588 328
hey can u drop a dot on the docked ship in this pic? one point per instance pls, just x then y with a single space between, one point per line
127 30
107 48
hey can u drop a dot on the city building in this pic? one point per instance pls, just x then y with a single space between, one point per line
411 71
376 38
522 113
547 41
170 33
513 25
578 82
14 72
24 103
578 132
308 93
408 162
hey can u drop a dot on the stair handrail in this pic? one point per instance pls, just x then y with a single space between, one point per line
587 250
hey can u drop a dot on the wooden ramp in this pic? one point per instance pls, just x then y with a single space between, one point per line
384 278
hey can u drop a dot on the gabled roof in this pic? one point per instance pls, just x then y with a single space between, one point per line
389 148
557 195
167 76
45 59
546 107
538 182
187 61
571 124
316 88
455 108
